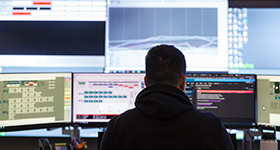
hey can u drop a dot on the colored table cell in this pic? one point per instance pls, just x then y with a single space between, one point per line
124 96
21 13
90 92
86 101
86 96
42 3
86 92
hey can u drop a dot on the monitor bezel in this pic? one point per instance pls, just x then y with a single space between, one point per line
38 125
268 125
233 124
94 124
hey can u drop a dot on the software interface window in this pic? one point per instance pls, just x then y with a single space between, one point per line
99 97
27 99
253 34
229 96
192 26
55 33
268 100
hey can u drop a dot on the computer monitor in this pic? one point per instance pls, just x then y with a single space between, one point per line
253 37
99 96
268 100
228 96
35 100
197 27
55 33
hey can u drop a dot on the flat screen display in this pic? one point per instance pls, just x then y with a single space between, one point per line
35 99
228 96
98 96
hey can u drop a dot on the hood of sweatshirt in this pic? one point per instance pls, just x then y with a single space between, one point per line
162 101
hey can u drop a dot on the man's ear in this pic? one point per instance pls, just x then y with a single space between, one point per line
145 81
182 83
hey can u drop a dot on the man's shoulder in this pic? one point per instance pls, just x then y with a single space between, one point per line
194 115
131 113
203 117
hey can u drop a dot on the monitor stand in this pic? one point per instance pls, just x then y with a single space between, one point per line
74 134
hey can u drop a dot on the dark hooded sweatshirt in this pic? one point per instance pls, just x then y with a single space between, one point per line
164 119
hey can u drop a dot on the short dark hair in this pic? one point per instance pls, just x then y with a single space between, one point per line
165 64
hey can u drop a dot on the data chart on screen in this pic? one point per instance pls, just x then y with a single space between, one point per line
99 97
31 99
199 30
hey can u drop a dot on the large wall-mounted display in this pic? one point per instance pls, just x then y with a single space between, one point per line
198 29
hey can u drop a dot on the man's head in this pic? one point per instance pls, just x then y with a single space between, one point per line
167 65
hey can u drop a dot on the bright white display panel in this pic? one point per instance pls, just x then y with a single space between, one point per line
71 10
34 99
197 28
99 97
253 40
42 32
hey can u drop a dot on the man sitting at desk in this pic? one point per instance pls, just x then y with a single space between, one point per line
164 117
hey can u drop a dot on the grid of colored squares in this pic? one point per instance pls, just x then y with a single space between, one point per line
93 101
98 92
111 96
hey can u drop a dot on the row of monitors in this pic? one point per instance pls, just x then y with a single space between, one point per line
55 99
